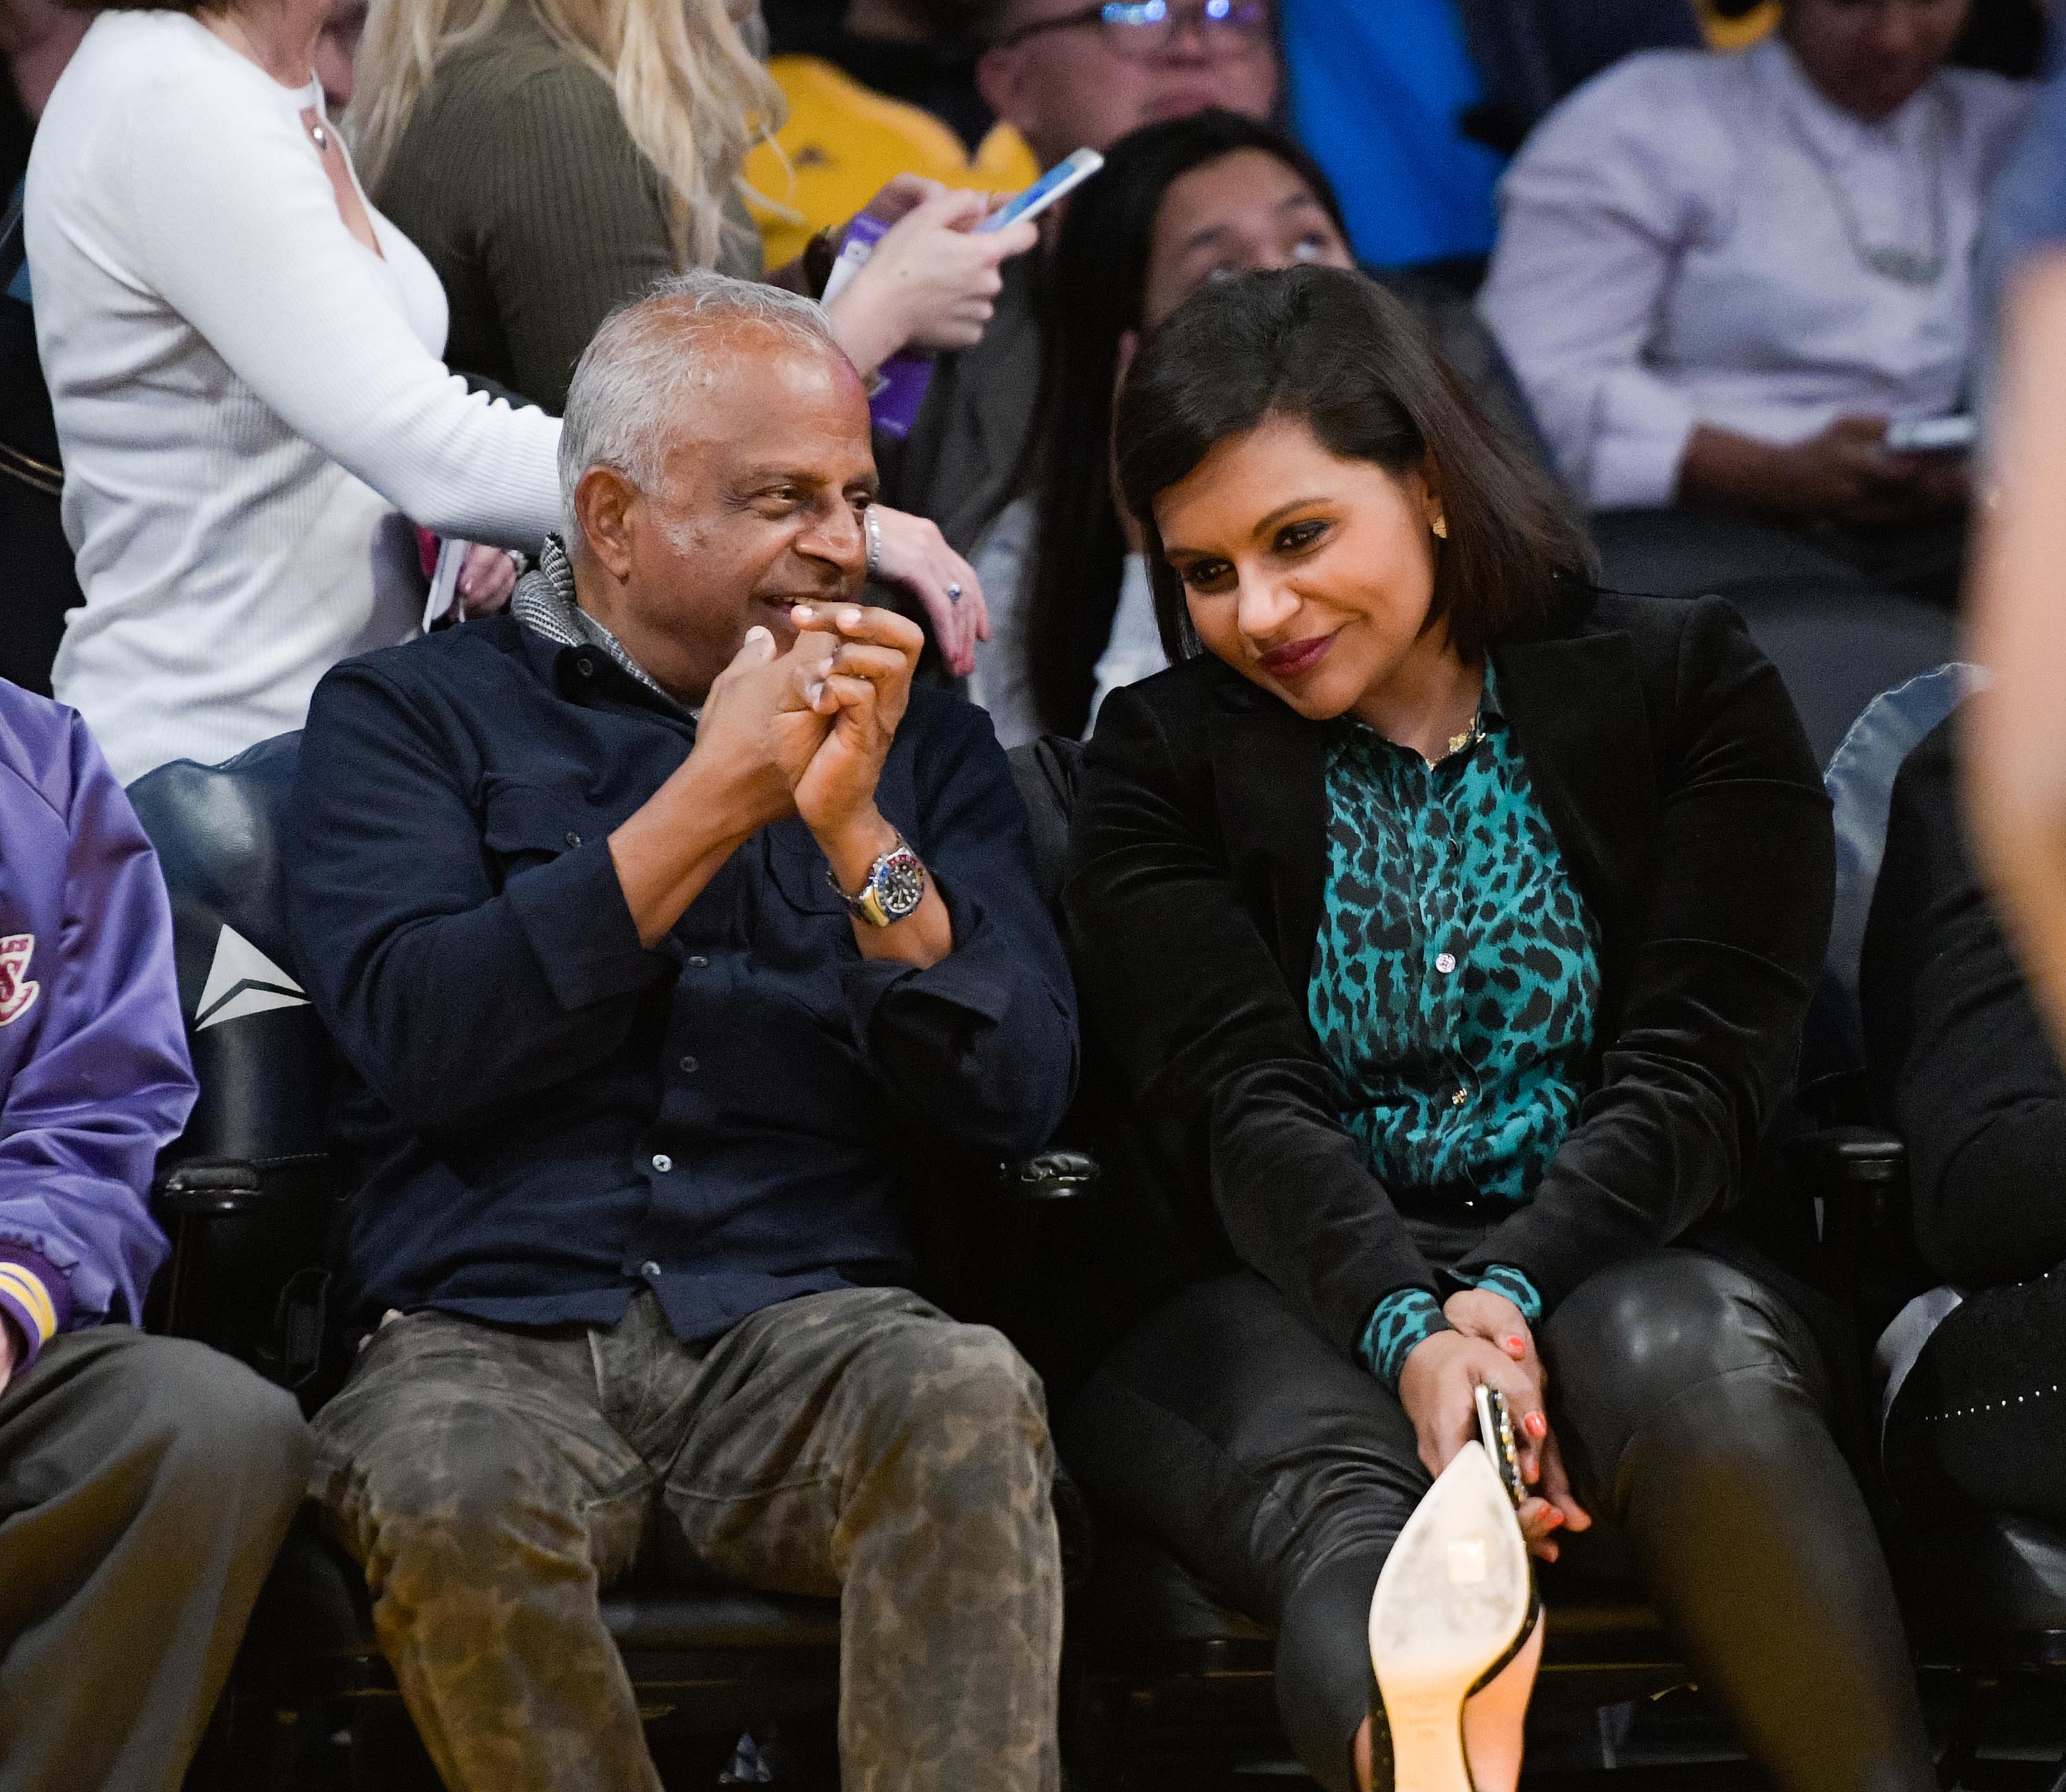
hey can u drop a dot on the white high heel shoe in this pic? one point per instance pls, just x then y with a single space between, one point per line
1455 1603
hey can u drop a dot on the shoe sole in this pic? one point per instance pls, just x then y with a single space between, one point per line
1453 1604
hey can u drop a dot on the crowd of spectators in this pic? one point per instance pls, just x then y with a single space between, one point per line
490 391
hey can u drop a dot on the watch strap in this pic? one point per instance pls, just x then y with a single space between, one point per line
867 903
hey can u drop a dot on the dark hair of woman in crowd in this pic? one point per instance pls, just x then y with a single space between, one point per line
1346 358
1096 285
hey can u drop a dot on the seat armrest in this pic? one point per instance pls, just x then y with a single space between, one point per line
208 1188
1849 1162
1049 1176
1857 1178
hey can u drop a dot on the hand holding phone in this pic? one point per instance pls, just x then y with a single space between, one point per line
1060 181
1057 184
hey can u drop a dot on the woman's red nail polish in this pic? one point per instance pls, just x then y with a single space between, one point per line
1535 1424
1518 1346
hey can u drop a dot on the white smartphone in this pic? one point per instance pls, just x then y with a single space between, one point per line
1059 182
1932 435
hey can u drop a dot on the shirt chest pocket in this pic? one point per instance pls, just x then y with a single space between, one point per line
523 824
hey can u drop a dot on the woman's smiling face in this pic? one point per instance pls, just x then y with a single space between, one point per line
1310 574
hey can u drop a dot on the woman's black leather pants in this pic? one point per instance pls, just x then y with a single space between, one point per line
1693 1405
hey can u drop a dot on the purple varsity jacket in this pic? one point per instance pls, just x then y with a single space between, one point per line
94 1072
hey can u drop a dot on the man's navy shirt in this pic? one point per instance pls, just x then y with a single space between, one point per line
541 1115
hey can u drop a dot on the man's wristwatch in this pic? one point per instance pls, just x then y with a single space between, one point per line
895 887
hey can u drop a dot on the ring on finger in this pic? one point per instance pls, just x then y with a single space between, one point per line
954 594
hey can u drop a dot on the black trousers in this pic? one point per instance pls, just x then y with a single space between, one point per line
1980 1423
1692 1403
145 1485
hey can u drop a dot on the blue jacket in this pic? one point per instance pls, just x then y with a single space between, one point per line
93 1072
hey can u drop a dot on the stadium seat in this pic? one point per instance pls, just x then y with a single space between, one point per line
1838 648
1836 641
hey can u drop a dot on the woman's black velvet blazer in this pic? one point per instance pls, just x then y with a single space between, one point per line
1667 757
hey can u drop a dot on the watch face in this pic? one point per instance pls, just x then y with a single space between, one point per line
900 883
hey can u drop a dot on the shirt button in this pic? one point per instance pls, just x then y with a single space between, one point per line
1445 963
662 1162
585 667
700 963
689 1064
649 1268
574 839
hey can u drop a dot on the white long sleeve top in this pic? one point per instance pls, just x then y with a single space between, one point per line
1673 252
250 403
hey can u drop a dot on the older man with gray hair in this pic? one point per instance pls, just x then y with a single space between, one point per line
663 927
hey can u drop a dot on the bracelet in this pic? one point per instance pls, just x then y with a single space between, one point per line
873 527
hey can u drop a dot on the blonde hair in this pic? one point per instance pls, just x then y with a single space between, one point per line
693 96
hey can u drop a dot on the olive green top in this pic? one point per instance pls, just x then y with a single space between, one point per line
517 179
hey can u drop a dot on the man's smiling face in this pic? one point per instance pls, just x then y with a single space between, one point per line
767 472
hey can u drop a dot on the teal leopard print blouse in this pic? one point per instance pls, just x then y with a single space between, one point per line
1455 983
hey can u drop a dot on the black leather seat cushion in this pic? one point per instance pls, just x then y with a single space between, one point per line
312 1621
1989 1587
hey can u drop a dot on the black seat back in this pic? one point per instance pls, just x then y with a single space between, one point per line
1838 650
1860 781
1097 1269
1046 771
251 1275
260 1053
1865 1225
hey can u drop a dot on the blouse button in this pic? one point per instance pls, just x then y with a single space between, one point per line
689 1066
585 667
574 839
649 1269
1445 963
699 963
1460 1098
662 1162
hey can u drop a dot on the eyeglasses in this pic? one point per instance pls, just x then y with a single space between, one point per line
1147 28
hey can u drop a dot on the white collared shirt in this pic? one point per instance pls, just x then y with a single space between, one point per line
1673 252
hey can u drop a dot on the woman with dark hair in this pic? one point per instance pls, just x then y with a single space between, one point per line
1178 204
1452 925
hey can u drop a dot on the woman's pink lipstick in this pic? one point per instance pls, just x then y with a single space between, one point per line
1297 656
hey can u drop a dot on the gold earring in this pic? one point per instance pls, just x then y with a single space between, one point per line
1441 528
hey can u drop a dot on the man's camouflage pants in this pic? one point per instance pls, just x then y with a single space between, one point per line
857 1443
